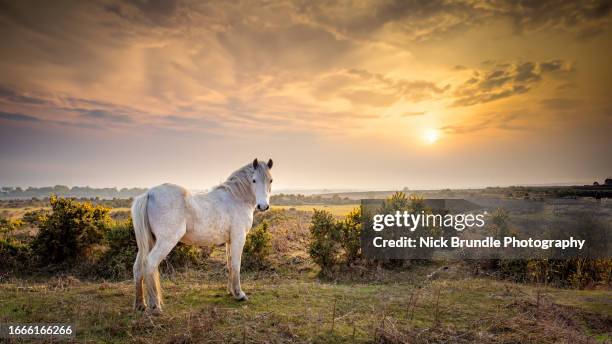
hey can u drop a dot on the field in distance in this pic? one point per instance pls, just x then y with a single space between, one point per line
335 209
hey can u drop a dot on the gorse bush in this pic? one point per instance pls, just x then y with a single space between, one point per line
117 261
399 201
257 247
335 241
14 256
69 231
576 272
325 237
351 235
8 225
185 256
34 217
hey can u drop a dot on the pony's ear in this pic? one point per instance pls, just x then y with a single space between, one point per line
255 163
270 163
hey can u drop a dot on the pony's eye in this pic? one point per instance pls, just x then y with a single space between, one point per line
270 181
253 180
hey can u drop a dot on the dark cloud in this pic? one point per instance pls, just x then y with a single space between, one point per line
19 117
145 12
99 111
426 20
12 116
569 15
103 115
12 96
505 80
552 66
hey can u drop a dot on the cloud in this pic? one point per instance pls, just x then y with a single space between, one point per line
103 115
12 96
18 117
433 20
505 80
365 88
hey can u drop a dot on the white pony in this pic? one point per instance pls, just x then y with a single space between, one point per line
167 214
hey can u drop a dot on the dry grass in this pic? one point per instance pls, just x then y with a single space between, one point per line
302 309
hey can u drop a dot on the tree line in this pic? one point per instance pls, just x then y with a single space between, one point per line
16 192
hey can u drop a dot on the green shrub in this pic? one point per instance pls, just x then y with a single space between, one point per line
186 256
13 255
8 225
575 273
70 230
351 235
325 236
34 217
257 247
117 261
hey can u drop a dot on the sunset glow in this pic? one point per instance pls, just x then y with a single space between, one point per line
431 136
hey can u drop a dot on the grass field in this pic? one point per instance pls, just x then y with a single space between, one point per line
301 309
335 209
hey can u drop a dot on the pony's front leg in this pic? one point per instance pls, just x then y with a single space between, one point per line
228 260
236 246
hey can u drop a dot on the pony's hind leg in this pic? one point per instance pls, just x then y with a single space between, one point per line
151 274
139 304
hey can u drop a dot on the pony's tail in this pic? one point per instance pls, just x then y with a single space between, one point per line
142 230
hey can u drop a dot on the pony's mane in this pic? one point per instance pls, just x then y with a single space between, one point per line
239 184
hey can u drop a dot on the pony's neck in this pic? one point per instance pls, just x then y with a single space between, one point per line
238 185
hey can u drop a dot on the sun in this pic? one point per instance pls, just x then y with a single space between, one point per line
431 136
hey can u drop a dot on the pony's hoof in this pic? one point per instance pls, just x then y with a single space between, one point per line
242 297
140 307
155 311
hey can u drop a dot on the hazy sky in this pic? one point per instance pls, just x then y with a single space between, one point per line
364 95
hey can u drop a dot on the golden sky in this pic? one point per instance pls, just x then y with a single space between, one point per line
350 94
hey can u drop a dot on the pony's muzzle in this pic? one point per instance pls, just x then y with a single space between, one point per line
263 207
